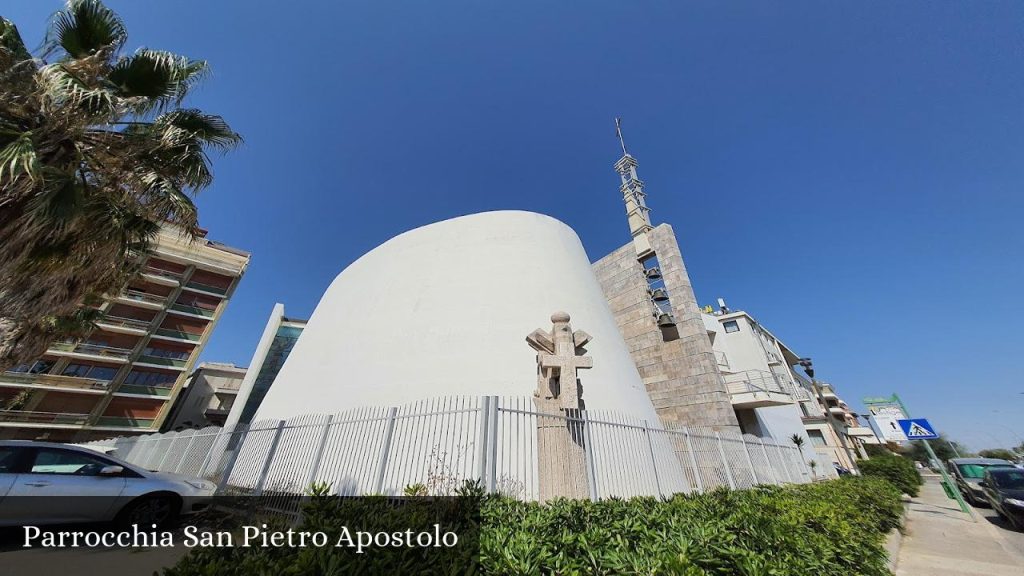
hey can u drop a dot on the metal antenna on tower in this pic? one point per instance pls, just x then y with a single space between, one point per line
618 132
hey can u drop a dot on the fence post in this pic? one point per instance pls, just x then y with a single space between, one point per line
693 460
491 480
320 450
768 461
721 452
588 451
230 465
270 459
750 461
382 464
184 455
654 463
481 439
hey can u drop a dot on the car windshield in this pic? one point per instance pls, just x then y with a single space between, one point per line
975 470
1009 479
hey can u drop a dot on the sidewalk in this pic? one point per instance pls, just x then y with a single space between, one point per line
943 541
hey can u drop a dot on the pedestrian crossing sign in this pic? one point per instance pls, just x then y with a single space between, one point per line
917 429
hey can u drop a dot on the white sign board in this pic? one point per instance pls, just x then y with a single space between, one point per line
885 418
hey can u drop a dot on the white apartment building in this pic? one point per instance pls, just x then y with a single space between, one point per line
771 399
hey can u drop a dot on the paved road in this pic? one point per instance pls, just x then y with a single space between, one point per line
941 540
1015 537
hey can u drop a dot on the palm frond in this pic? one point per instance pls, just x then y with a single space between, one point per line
65 88
84 28
208 129
155 79
19 157
11 42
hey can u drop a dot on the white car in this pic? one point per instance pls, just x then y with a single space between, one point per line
83 485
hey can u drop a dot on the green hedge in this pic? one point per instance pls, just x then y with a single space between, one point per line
828 528
898 470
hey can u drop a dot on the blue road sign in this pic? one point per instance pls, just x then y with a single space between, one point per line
917 429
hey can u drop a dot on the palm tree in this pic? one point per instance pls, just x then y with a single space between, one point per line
96 154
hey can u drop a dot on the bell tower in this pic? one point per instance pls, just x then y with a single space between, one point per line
632 188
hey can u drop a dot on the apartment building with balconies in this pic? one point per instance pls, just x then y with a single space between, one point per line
123 377
756 369
207 397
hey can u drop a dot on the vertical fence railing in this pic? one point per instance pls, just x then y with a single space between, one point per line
442 442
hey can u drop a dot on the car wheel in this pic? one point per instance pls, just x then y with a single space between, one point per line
159 509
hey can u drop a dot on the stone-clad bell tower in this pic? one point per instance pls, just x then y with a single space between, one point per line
651 297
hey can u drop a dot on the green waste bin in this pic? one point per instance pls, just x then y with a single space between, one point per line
949 490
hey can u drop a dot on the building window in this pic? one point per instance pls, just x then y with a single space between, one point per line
89 371
731 326
38 367
165 353
157 379
817 438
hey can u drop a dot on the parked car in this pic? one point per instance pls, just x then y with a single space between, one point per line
1004 489
84 485
968 472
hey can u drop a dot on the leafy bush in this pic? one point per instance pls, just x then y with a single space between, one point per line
899 471
827 528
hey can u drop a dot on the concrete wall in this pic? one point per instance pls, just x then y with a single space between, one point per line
445 310
681 375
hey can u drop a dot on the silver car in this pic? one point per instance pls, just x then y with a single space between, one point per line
967 474
84 485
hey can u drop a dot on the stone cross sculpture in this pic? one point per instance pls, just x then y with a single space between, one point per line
558 398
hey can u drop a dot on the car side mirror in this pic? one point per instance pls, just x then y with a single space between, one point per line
983 484
111 470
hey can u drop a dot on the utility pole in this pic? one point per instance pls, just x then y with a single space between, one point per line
938 464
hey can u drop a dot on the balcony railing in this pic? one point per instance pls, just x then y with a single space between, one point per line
754 381
28 417
143 389
160 361
176 276
91 349
178 334
53 380
194 310
138 296
124 422
123 322
207 288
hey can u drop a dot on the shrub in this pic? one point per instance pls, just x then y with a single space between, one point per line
899 471
827 528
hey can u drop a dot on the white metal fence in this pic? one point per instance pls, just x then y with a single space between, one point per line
443 441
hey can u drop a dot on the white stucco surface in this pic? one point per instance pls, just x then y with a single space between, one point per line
445 310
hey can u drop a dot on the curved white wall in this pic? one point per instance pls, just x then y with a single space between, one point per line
445 310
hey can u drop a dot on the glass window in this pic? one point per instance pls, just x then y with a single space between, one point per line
731 326
1008 479
9 458
817 438
79 370
51 461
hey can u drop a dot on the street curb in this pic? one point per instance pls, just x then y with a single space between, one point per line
894 540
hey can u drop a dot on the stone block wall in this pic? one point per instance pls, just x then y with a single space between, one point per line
681 375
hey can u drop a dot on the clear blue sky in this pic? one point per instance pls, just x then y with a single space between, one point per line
850 174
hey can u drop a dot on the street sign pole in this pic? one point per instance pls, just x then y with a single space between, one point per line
942 469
